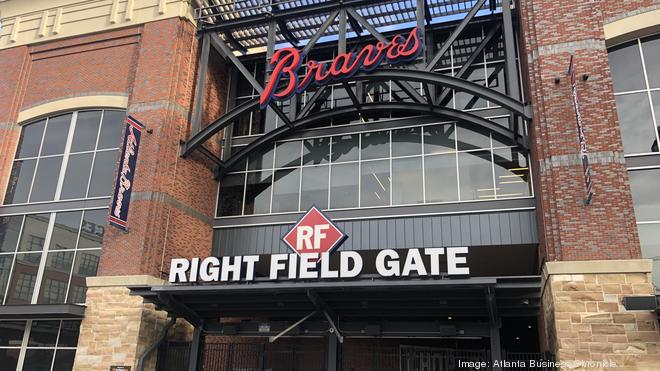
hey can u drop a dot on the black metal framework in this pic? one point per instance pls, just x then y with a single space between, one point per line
241 27
371 307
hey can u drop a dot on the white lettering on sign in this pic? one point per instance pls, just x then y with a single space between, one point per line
307 234
314 265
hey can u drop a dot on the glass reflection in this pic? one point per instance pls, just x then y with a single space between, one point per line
287 154
257 192
86 265
441 178
87 128
102 180
316 151
57 130
439 138
626 65
56 278
314 190
46 179
345 148
77 176
65 231
344 192
92 229
649 238
111 129
511 173
23 279
231 195
644 188
407 184
38 359
375 145
476 176
375 183
20 181
34 232
406 142
285 190
10 228
30 141
637 129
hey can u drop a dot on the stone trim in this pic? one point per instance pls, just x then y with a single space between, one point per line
631 25
166 198
598 266
603 158
123 281
566 47
72 104
30 22
157 105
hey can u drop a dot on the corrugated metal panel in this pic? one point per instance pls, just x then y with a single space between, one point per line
498 228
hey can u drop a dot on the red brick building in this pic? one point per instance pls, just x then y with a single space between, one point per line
492 221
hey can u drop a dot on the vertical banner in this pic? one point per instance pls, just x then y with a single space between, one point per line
124 184
584 154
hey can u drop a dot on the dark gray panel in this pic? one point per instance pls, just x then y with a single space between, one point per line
494 221
465 230
487 229
428 231
475 230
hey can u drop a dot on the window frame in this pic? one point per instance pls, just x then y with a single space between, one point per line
66 155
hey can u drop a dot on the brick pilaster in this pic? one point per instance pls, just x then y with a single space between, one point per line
551 32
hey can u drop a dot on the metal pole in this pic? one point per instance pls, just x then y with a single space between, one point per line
510 61
194 363
333 352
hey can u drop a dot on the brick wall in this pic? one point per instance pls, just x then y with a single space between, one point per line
155 66
174 199
551 32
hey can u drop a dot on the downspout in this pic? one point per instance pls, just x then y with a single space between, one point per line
156 344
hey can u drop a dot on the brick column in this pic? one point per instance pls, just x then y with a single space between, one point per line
173 199
551 32
117 327
589 251
586 321
14 64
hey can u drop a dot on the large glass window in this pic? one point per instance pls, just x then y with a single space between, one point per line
50 345
636 78
46 257
38 270
65 157
644 187
405 166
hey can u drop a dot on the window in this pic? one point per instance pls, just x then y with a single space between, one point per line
636 78
63 262
644 187
66 157
405 166
49 345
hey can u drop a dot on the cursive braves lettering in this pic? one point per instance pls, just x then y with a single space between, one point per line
124 183
287 61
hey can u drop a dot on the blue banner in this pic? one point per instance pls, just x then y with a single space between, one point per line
125 174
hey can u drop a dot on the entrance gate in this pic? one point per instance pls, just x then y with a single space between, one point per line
270 357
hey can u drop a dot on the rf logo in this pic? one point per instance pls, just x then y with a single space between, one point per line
314 233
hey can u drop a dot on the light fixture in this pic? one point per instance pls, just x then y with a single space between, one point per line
530 326
517 338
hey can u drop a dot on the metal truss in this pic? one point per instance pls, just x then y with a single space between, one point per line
276 22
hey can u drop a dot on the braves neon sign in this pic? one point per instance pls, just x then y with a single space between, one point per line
287 61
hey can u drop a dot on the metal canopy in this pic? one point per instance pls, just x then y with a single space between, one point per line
302 18
370 299
260 26
36 311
